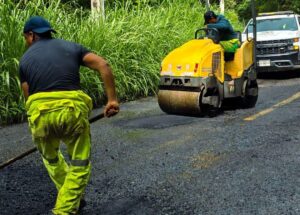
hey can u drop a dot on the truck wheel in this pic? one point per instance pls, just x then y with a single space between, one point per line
249 94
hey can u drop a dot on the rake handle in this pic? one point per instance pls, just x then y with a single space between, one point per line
28 152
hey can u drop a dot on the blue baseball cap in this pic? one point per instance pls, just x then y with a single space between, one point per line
209 15
37 24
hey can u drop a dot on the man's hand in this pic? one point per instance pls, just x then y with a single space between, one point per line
111 108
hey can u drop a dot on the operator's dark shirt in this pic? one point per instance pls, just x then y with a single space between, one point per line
224 27
52 65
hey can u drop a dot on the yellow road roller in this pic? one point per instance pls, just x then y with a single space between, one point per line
198 76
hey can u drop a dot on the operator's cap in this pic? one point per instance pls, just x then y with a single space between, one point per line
37 24
209 15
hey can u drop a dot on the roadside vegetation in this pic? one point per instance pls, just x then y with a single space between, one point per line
134 38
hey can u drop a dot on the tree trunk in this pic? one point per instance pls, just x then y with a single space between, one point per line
98 9
222 6
207 4
102 8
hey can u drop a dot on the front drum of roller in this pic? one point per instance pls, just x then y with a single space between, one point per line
179 102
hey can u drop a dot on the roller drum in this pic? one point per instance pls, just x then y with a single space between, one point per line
179 102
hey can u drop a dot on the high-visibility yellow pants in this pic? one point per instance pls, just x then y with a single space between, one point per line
63 116
230 45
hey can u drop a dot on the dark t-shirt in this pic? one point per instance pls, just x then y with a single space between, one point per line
52 64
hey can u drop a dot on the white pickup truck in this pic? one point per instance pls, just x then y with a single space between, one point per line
278 41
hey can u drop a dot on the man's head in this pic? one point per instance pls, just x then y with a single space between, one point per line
210 17
36 27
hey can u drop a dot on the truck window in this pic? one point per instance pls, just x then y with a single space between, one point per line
277 24
299 20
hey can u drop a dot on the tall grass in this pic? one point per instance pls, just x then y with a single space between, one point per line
133 40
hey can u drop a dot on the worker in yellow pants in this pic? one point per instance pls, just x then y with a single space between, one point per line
58 110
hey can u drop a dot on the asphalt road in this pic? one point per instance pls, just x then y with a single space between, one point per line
244 161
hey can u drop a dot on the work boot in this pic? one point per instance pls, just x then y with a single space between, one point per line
82 204
59 213
48 213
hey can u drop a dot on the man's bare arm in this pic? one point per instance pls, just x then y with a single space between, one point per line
97 63
25 88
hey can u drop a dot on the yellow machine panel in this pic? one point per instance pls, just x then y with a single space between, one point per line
243 59
196 58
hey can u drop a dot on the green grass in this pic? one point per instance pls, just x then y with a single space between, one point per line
133 41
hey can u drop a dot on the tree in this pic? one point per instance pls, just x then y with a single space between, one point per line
244 7
98 9
222 6
207 4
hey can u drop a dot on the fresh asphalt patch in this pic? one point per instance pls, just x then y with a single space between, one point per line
157 121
